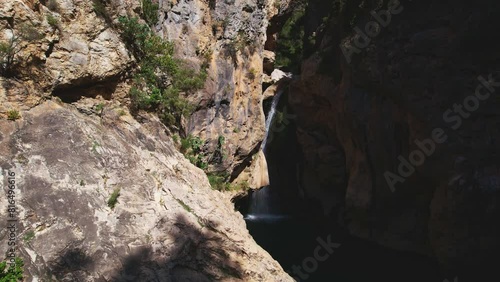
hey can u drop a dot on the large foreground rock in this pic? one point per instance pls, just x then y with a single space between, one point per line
168 225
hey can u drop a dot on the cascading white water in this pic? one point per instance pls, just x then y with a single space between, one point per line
270 117
260 202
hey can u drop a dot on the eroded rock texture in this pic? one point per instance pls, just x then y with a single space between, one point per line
72 51
75 143
168 224
232 35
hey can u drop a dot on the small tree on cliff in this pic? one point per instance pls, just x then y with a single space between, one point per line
8 52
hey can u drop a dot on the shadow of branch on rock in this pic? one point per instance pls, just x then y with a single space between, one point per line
192 252
73 263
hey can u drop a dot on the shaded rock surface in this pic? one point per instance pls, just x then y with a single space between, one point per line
354 120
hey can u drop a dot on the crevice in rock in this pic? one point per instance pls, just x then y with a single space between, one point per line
238 169
211 4
50 49
90 89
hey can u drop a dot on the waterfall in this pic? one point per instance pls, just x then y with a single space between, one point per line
270 116
261 201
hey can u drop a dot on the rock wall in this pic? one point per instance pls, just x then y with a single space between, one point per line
75 143
231 34
81 55
76 54
168 224
356 118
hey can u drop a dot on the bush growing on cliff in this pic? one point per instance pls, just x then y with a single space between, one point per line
291 40
52 21
99 8
8 274
29 236
113 199
134 34
13 115
191 147
220 182
29 32
8 52
150 12
160 78
219 156
10 48
53 5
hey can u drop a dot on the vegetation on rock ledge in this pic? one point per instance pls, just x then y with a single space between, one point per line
11 274
113 199
290 47
160 78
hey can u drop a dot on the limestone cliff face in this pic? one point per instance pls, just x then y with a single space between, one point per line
231 34
356 118
168 224
76 54
80 54
76 143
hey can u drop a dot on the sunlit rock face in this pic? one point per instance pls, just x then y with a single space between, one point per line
75 143
231 35
168 224
355 120
83 55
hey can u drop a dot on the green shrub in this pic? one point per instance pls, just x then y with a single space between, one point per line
207 58
8 51
99 8
29 236
95 145
191 147
53 5
150 12
121 112
218 155
13 115
175 138
193 144
150 90
99 108
12 274
218 182
290 44
134 34
277 4
52 21
113 199
29 32
242 186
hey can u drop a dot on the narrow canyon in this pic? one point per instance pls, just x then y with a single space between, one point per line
240 140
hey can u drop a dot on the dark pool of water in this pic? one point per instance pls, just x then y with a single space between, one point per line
291 241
